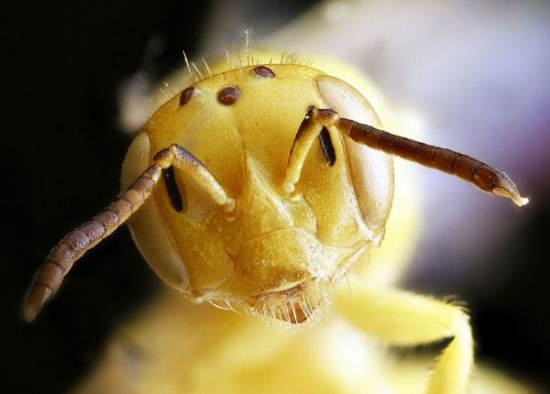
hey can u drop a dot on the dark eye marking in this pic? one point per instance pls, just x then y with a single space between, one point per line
173 189
229 95
264 72
326 145
186 95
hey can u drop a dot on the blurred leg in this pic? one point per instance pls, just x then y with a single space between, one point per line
406 319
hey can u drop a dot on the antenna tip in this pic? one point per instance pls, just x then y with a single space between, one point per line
507 188
35 300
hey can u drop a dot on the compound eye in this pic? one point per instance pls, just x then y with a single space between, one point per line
228 95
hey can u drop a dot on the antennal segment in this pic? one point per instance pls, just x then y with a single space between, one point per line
63 256
469 169
80 240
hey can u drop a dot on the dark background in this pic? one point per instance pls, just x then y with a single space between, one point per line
63 65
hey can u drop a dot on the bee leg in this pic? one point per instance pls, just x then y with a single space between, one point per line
405 319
